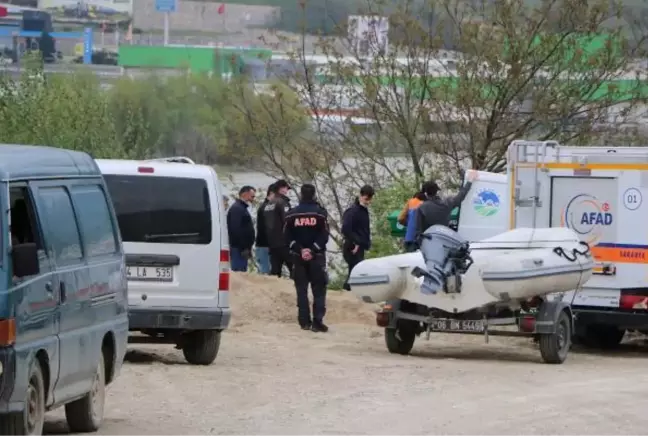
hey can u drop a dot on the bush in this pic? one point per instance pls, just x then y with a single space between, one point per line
135 118
385 202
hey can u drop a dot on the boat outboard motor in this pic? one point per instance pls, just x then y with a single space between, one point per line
446 254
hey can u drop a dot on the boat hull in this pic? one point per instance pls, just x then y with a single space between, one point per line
508 268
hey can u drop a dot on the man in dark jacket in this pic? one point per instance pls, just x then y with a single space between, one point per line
261 251
306 235
356 230
274 218
436 210
240 229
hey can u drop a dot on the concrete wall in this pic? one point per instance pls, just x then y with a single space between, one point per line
204 17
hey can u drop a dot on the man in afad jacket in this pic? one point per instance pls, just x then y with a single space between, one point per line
306 235
240 229
274 216
356 230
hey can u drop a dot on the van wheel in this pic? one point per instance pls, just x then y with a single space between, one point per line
86 414
32 419
201 347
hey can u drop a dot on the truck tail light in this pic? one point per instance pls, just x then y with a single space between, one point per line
633 302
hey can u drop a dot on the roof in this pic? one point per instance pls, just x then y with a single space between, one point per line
165 169
30 161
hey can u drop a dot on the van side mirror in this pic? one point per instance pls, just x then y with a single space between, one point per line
24 258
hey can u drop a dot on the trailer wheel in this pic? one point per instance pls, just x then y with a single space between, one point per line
401 340
554 347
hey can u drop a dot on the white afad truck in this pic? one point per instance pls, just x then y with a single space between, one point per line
601 193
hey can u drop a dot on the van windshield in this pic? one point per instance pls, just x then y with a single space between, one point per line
161 210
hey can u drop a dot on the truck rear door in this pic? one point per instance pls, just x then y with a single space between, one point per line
589 206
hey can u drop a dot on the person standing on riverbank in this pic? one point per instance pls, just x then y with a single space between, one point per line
261 251
356 229
274 218
240 229
306 235
407 218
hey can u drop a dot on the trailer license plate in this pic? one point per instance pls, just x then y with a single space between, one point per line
457 325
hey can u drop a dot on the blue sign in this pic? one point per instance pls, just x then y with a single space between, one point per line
87 45
165 5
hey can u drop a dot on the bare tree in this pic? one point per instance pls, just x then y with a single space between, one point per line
414 109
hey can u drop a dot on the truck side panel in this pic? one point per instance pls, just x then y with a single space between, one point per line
603 203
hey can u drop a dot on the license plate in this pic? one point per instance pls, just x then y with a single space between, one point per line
150 273
457 325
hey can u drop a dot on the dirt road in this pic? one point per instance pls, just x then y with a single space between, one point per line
272 378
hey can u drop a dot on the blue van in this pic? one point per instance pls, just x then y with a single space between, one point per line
63 289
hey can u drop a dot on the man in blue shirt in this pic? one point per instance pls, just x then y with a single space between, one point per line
356 229
240 229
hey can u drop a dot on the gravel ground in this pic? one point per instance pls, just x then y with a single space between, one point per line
272 378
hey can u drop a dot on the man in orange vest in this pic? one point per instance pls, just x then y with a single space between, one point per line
407 218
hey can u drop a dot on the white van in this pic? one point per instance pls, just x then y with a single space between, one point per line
172 224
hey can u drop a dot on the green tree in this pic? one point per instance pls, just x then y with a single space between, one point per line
178 115
135 118
60 110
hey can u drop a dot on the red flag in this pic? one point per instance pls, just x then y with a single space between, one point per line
221 9
3 11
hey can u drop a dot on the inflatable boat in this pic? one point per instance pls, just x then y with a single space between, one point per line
453 276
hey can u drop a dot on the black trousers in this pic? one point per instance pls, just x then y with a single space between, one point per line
311 272
351 260
278 258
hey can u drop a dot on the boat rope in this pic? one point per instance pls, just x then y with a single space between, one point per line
574 253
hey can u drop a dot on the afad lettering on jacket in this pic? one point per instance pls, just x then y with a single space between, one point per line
305 222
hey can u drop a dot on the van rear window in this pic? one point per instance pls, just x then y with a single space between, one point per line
163 210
